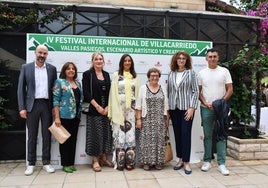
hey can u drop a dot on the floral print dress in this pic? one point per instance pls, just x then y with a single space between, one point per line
124 136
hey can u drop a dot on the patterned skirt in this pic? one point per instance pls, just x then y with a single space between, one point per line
98 136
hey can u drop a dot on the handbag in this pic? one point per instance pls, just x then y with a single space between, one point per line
86 105
168 149
59 132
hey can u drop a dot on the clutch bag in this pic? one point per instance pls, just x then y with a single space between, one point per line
59 132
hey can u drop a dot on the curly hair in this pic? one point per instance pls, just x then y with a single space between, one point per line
174 65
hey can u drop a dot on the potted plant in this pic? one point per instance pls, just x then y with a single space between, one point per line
247 69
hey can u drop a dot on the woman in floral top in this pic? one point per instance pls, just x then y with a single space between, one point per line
67 100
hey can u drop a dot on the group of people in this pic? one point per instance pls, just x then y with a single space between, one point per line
124 119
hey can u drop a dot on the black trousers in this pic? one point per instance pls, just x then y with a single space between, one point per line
182 132
39 112
67 149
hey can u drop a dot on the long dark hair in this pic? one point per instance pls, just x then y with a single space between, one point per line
63 69
121 66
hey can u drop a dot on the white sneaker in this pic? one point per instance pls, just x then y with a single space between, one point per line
29 170
48 168
206 166
222 168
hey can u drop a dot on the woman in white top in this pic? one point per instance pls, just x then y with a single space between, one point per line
183 100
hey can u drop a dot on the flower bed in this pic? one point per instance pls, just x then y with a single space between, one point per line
247 149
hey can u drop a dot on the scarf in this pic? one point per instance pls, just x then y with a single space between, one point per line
128 77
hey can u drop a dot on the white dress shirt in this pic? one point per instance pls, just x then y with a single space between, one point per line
41 82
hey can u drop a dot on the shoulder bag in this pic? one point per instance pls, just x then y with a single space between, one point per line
86 105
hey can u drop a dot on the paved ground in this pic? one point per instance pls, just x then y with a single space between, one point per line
244 174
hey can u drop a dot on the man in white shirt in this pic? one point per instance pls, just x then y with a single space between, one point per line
215 83
35 103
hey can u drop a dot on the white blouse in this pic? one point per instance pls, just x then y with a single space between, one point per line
178 78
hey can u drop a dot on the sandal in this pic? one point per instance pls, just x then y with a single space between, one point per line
95 165
158 167
106 163
120 159
130 159
146 167
120 168
129 167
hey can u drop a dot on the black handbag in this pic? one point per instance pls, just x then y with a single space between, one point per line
86 105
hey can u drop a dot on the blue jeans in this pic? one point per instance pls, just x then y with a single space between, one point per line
208 122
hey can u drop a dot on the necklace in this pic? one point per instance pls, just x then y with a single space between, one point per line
100 75
181 70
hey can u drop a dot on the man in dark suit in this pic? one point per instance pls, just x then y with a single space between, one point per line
35 85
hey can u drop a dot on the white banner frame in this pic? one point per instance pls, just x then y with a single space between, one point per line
146 53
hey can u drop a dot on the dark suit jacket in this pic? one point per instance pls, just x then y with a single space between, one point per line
221 109
26 85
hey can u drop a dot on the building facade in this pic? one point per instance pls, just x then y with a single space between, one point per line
162 4
178 20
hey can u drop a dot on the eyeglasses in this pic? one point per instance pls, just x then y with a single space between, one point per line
154 75
181 59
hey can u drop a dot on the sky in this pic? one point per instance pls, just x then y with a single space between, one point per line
226 1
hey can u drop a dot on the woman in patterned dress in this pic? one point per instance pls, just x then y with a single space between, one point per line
152 120
124 89
96 86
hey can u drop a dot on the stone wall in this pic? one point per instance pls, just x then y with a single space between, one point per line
247 149
166 4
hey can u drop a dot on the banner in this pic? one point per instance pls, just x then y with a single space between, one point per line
146 53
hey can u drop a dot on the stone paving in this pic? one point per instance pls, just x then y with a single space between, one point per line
244 174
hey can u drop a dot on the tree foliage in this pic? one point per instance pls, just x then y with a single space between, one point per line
246 5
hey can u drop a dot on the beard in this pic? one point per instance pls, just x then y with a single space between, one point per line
41 59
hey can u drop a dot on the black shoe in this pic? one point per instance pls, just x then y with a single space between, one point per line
187 171
178 167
